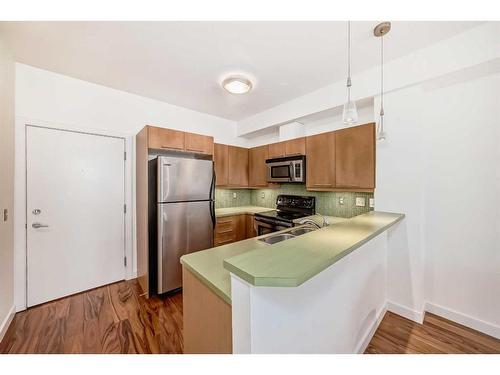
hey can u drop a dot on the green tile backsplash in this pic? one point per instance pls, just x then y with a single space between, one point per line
224 198
327 203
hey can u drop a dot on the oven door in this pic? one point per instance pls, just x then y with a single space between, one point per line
265 226
281 171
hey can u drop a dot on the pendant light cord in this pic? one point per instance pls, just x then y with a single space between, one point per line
348 84
382 75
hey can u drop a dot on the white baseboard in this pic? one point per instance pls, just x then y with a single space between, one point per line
363 344
406 312
466 320
6 322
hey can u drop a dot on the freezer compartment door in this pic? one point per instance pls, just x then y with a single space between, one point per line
182 228
181 179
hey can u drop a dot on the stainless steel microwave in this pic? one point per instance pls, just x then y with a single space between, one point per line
287 169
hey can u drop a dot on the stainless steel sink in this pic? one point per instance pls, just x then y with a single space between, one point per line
301 231
277 238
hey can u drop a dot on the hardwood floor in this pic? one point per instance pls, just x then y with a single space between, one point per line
397 335
110 319
116 319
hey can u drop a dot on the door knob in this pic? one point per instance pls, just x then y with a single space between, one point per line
38 225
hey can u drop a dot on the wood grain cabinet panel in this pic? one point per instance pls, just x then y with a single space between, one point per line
221 158
162 138
207 318
237 167
320 167
257 166
199 143
250 227
277 150
355 157
295 146
230 229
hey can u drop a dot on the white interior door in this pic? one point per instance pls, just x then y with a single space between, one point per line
74 212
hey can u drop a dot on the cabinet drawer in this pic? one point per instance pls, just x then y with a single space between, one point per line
224 227
225 238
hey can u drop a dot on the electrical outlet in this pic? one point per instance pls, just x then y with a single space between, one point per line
262 195
360 201
341 200
372 203
234 195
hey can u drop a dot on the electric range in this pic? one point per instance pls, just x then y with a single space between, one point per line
288 209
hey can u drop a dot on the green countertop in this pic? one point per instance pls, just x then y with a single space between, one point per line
288 263
250 210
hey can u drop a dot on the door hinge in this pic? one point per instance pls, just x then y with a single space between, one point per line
124 208
125 261
124 155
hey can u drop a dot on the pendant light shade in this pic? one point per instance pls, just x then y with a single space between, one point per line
350 112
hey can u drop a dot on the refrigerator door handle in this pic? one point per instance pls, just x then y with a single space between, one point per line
212 198
212 212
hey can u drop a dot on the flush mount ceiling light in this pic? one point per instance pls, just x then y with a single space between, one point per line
237 85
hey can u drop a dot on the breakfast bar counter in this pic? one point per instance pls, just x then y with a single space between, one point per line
248 294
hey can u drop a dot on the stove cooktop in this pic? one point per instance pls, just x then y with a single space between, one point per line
282 215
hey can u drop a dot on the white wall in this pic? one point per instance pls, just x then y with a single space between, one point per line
49 99
399 181
461 134
315 124
439 167
6 187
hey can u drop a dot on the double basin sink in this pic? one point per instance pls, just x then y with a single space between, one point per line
294 232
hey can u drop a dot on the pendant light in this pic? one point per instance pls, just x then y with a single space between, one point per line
380 31
350 112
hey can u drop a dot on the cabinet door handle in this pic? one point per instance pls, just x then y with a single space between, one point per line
175 148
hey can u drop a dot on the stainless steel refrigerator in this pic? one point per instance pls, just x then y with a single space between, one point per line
181 215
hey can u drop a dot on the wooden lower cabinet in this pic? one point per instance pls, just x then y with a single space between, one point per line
233 228
207 318
229 229
250 227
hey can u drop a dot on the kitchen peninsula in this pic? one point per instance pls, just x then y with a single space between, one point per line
320 292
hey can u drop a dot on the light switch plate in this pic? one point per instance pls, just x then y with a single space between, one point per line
234 195
262 195
372 203
360 201
341 200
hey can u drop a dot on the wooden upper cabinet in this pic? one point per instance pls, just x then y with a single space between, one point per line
237 167
355 157
277 150
221 159
257 166
292 147
199 143
320 167
168 139
295 146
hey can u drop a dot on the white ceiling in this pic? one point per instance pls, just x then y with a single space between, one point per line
182 63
